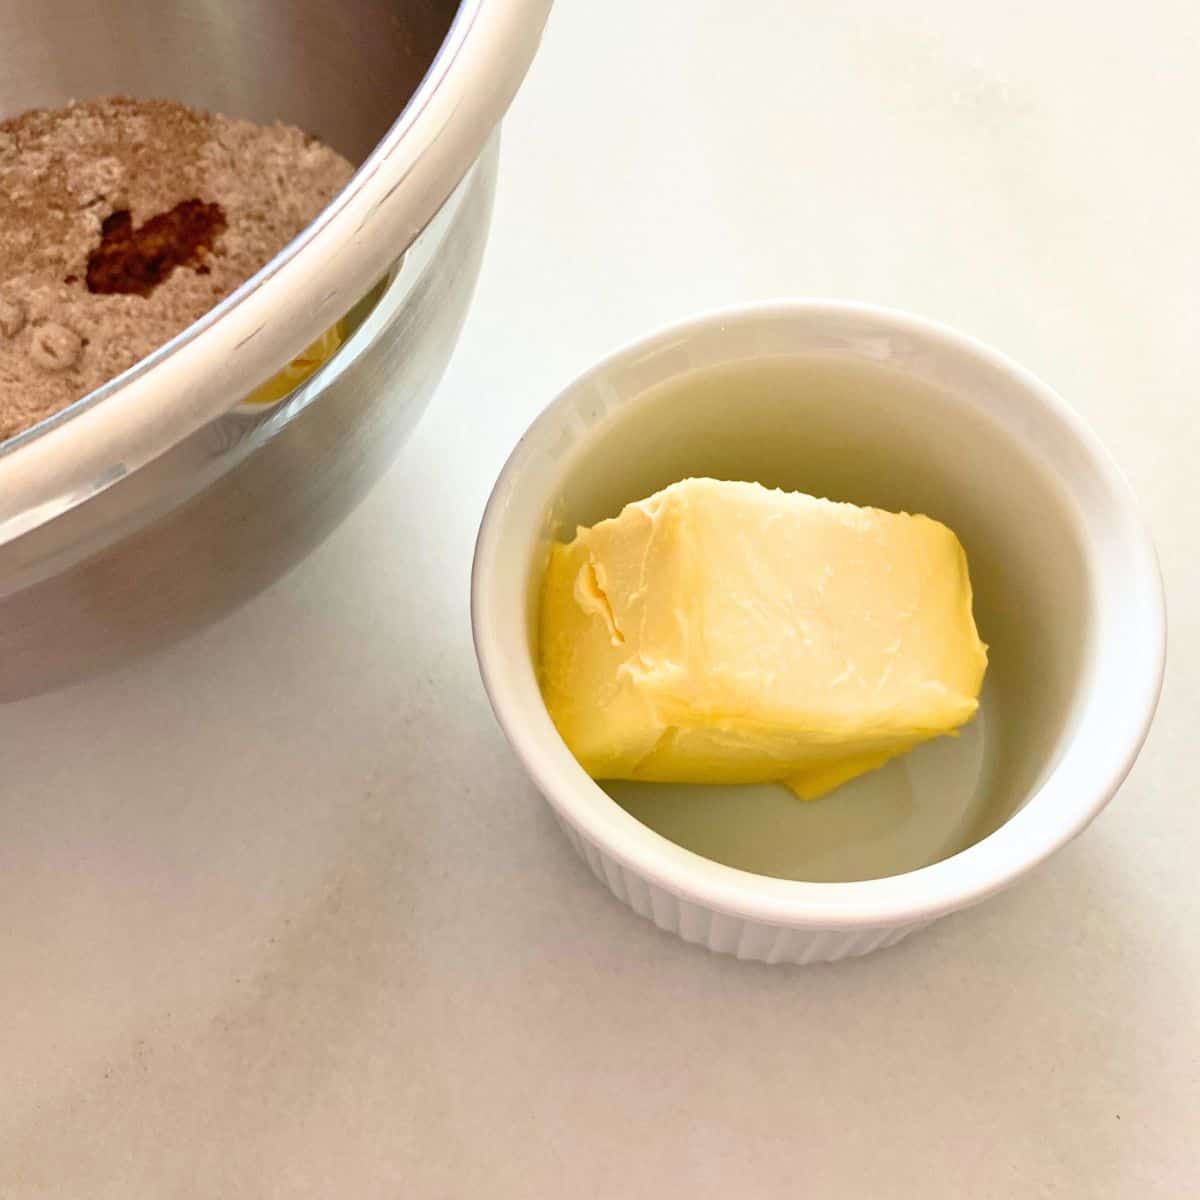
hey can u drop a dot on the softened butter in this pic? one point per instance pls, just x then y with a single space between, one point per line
722 632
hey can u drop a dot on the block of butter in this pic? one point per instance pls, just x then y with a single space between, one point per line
721 632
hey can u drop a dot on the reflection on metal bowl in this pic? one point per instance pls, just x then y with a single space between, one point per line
164 499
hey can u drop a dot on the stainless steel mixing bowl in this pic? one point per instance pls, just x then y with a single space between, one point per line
161 501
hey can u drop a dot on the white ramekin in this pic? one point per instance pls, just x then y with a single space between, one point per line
996 427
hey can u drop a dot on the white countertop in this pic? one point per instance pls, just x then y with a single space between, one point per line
281 916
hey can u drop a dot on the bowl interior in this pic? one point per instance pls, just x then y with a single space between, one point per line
884 425
340 71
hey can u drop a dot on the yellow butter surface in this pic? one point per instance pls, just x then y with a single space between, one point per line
304 365
722 632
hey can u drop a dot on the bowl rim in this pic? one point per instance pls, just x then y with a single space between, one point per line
1061 806
192 379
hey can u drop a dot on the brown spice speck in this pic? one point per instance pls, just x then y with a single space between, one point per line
134 261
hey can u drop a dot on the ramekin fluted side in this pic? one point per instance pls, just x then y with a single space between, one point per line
723 933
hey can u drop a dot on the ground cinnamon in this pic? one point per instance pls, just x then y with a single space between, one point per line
136 261
123 221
